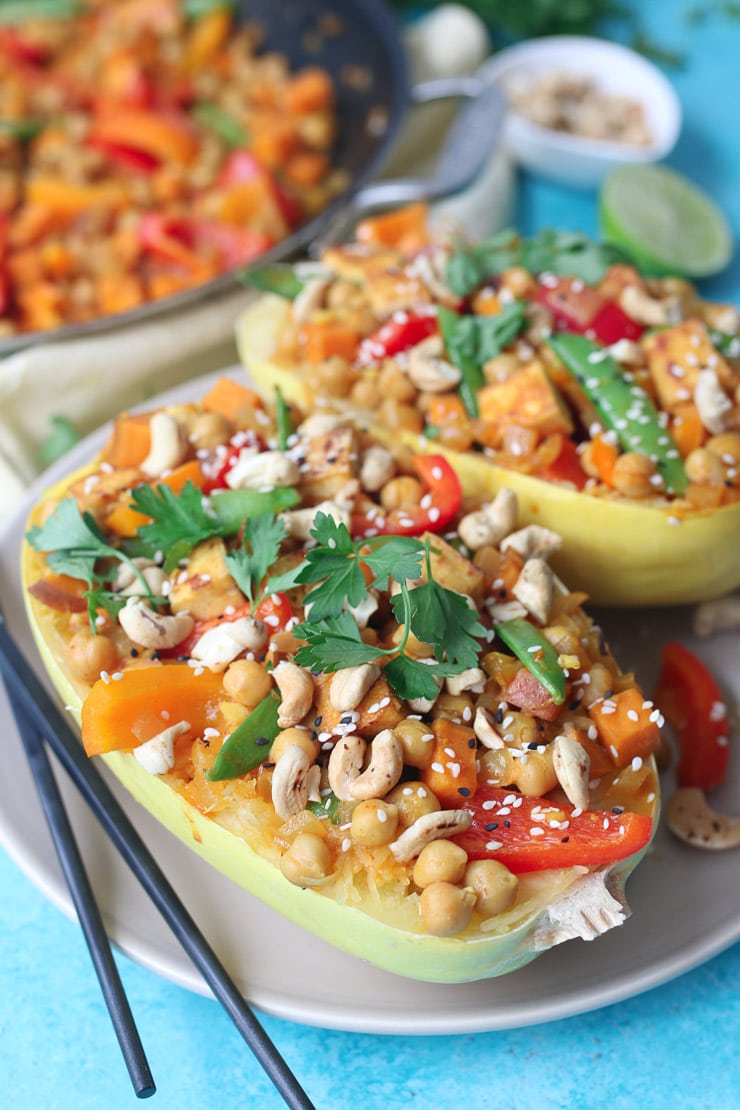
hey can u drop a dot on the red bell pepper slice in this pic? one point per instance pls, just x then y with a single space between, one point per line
18 49
436 511
138 161
534 834
580 308
691 701
275 610
403 331
566 467
190 243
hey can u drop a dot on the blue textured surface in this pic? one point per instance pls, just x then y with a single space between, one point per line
673 1047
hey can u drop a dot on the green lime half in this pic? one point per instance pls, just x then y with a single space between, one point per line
667 224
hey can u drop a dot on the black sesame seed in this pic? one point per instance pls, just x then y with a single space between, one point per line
156 655
507 824
617 809
492 826
574 705
317 722
472 742
463 791
260 741
134 653
532 747
564 839
499 715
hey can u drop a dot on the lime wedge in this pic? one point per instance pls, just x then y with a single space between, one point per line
664 221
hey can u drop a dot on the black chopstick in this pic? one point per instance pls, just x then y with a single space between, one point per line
83 899
65 743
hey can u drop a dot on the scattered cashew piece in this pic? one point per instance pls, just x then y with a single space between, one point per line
345 764
168 445
157 755
720 615
150 629
535 588
296 692
490 523
572 764
295 781
383 771
429 827
533 541
692 819
349 685
220 645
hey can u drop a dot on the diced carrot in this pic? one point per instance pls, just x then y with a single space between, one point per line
118 716
31 224
228 398
445 408
405 228
625 725
486 303
206 37
309 91
274 138
326 338
604 456
687 428
253 204
117 292
25 266
129 442
57 259
306 168
40 306
451 775
125 520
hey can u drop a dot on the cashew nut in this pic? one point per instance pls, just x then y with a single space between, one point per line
345 764
489 524
466 680
720 615
262 470
534 540
168 445
535 588
377 467
296 692
223 643
643 308
423 705
485 731
295 781
349 685
310 298
299 522
572 764
363 611
692 820
147 628
384 769
712 403
429 827
428 370
627 352
157 755
128 582
320 424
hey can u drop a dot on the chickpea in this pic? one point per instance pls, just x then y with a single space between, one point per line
415 647
332 377
401 493
601 681
495 887
446 909
726 446
374 822
89 655
705 468
392 382
440 862
412 800
535 774
307 861
247 682
396 416
415 739
208 429
299 736
365 394
455 707
632 473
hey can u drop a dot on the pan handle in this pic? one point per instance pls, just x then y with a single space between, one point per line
466 149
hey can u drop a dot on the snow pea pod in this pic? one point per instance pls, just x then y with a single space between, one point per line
535 651
623 406
249 743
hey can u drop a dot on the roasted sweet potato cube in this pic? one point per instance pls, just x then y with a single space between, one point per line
528 398
379 709
328 462
626 725
208 588
453 571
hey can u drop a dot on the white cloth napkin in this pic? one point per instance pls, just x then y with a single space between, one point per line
89 380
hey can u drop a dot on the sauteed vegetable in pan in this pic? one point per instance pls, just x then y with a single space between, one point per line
607 400
148 147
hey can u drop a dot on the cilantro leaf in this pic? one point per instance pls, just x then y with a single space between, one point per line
249 565
72 539
179 520
231 507
441 617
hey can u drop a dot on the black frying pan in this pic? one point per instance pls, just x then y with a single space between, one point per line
365 55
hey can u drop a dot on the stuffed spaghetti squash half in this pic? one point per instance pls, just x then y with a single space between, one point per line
365 699
609 402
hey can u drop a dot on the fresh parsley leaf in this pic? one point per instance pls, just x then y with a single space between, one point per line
398 557
231 507
440 617
62 436
332 644
261 544
179 521
411 679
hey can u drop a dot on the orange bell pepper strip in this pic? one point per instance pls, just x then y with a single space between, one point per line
70 198
119 714
168 137
124 520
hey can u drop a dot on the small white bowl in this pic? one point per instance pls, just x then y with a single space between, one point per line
615 69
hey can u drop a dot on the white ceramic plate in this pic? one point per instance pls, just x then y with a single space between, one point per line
686 904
